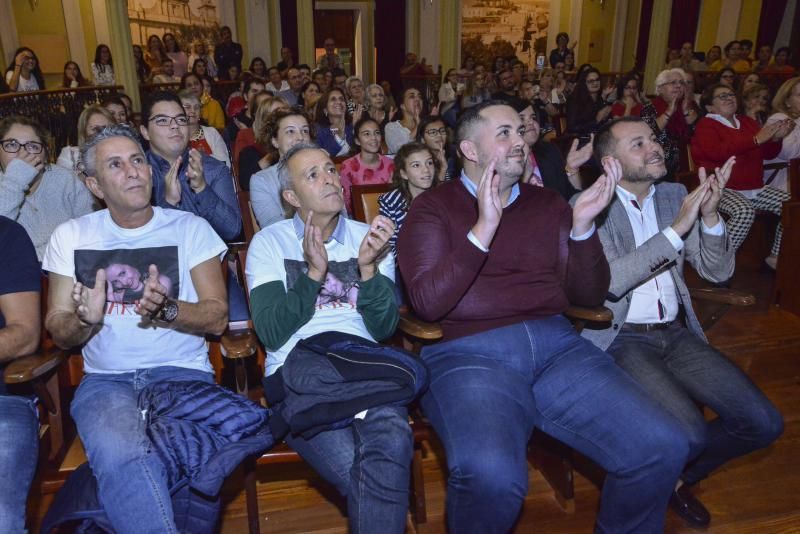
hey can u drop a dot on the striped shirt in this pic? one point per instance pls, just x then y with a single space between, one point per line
394 206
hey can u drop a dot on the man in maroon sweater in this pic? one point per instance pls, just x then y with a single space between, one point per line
497 262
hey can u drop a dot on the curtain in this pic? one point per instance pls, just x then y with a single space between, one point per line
644 34
289 28
683 24
772 12
390 41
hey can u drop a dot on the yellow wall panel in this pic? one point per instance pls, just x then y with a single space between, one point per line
631 35
241 32
748 20
710 11
89 35
597 25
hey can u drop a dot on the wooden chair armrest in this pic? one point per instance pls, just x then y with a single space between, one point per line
599 314
415 327
31 367
238 344
723 296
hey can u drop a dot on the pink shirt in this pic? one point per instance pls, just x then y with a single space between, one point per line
356 172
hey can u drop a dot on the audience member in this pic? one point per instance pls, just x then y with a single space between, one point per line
284 129
628 103
746 49
713 58
115 105
403 130
167 266
432 132
36 194
449 96
210 108
722 134
287 60
689 89
73 77
204 139
24 74
244 119
545 167
310 94
295 79
276 84
781 64
763 58
686 61
475 92
671 115
559 54
509 359
167 73
413 66
330 59
103 66
368 166
333 125
180 60
255 155
305 70
322 272
727 76
588 107
356 98
377 106
199 68
200 52
656 338
755 102
227 54
91 120
749 80
505 86
339 81
20 324
258 68
155 54
785 106
415 171
320 77
185 179
140 65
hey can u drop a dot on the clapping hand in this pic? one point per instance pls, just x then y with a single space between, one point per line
154 296
374 245
594 200
314 250
194 172
490 206
716 183
90 303
579 156
172 186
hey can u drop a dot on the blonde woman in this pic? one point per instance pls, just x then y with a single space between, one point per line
92 120
785 105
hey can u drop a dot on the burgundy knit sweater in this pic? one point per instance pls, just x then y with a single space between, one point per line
532 270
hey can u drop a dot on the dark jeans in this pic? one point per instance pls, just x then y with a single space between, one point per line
677 368
19 445
489 390
369 462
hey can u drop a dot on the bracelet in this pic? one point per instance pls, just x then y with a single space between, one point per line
570 172
755 140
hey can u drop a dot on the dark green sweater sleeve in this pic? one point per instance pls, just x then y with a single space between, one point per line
277 313
377 306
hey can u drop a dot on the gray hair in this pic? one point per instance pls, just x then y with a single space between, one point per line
367 99
285 178
88 160
349 82
662 77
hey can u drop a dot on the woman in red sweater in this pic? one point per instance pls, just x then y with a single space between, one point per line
722 134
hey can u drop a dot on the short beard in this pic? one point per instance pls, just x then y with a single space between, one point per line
642 175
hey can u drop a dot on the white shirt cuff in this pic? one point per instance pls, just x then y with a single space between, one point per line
475 241
673 237
583 237
717 229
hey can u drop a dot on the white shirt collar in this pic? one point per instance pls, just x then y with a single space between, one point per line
722 120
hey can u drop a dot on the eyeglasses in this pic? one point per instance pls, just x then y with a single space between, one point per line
675 83
12 146
726 96
434 132
166 121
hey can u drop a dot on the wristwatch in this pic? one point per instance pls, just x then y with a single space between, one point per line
168 312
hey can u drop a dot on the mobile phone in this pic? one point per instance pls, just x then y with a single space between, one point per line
583 140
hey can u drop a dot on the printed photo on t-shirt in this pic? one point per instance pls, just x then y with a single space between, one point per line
340 286
127 271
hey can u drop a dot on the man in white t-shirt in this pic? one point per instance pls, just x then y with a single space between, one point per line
139 286
320 272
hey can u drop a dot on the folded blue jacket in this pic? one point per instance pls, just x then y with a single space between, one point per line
330 377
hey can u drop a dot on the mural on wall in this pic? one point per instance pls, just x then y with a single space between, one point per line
504 28
190 21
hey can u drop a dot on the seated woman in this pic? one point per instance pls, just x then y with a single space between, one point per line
432 132
180 60
257 154
722 134
155 54
727 76
476 91
333 127
258 68
202 138
588 107
781 64
755 102
91 120
672 117
285 128
310 94
377 106
200 67
449 97
749 81
210 109
103 66
24 74
785 106
369 166
404 130
713 57
628 103
545 166
72 76
36 194
415 171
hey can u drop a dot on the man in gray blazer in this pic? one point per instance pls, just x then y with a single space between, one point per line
646 232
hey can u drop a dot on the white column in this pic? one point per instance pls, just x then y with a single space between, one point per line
618 35
256 14
657 43
552 27
429 29
575 13
101 30
8 31
77 46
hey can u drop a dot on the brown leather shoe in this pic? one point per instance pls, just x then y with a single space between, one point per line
689 507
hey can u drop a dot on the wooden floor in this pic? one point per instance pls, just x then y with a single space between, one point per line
756 494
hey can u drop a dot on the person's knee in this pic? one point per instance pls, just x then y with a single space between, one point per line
492 477
662 449
391 434
767 426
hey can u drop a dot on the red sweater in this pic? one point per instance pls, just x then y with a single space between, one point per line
523 276
713 143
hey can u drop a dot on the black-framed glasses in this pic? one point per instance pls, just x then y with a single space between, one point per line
165 121
726 96
433 132
12 146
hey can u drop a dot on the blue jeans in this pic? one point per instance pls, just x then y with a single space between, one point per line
369 463
489 390
131 478
19 445
677 368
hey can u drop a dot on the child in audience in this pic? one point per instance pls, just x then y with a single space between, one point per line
369 166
